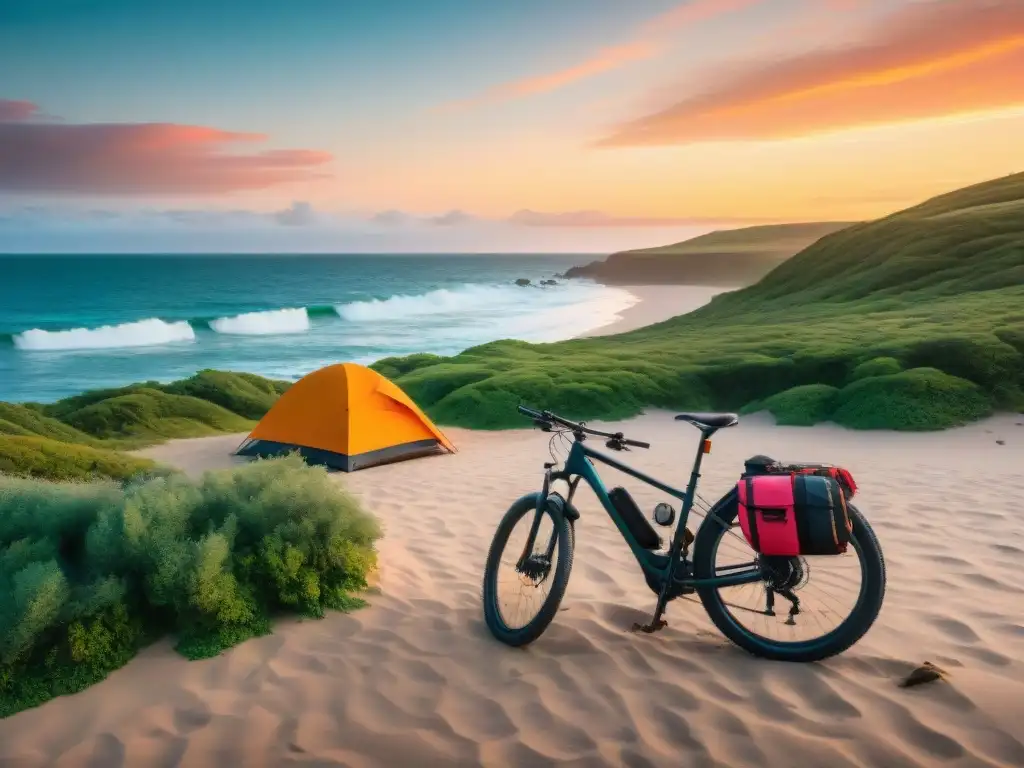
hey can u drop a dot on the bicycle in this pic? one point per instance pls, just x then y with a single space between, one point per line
671 572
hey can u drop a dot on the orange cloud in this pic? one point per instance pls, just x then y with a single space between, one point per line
932 59
138 158
605 60
647 43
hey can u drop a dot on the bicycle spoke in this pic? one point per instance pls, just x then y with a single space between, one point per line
520 595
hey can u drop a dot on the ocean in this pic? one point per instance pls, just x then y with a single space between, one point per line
73 323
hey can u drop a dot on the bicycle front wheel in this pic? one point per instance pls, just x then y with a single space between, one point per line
838 597
527 571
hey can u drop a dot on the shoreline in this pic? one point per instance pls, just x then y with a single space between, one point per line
656 304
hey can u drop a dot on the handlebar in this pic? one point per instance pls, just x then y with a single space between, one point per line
547 419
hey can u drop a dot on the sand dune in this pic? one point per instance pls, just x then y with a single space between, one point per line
416 679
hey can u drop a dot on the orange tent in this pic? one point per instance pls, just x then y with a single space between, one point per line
347 417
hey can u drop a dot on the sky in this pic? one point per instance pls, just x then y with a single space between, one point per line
437 125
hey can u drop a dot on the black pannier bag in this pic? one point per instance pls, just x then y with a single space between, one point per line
822 520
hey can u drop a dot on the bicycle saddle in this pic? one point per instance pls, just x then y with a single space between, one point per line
710 420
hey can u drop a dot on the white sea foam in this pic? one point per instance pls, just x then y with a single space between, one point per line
143 333
471 314
466 298
268 323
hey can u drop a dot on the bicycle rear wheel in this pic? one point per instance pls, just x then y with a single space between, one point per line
524 580
826 624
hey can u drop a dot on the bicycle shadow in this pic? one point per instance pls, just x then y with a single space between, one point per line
601 628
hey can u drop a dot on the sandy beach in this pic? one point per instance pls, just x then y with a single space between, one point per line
415 679
658 303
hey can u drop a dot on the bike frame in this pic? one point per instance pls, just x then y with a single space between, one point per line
660 568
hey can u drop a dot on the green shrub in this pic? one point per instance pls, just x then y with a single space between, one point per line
41 457
441 381
391 367
89 573
801 406
18 419
876 366
247 395
918 399
153 415
84 433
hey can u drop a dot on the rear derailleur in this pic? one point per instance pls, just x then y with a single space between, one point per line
781 576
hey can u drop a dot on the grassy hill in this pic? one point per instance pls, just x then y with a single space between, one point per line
85 435
928 301
726 257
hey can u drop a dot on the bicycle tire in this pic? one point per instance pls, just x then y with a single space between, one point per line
840 639
560 578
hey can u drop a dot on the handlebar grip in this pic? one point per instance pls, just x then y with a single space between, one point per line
637 443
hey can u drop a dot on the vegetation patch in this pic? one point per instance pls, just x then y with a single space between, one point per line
91 573
801 406
150 414
41 457
876 366
918 399
85 436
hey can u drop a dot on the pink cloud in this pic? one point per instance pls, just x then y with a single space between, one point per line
11 111
139 158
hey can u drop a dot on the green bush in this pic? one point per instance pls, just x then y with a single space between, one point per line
208 403
17 419
801 406
247 395
84 433
876 366
154 415
41 457
89 573
918 399
392 367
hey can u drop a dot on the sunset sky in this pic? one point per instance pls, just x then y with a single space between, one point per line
470 125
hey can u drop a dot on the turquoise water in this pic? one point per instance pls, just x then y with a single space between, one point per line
72 323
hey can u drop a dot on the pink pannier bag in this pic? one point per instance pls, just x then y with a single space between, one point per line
768 499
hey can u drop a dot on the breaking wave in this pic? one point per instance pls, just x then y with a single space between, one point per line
444 321
275 321
466 298
142 333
